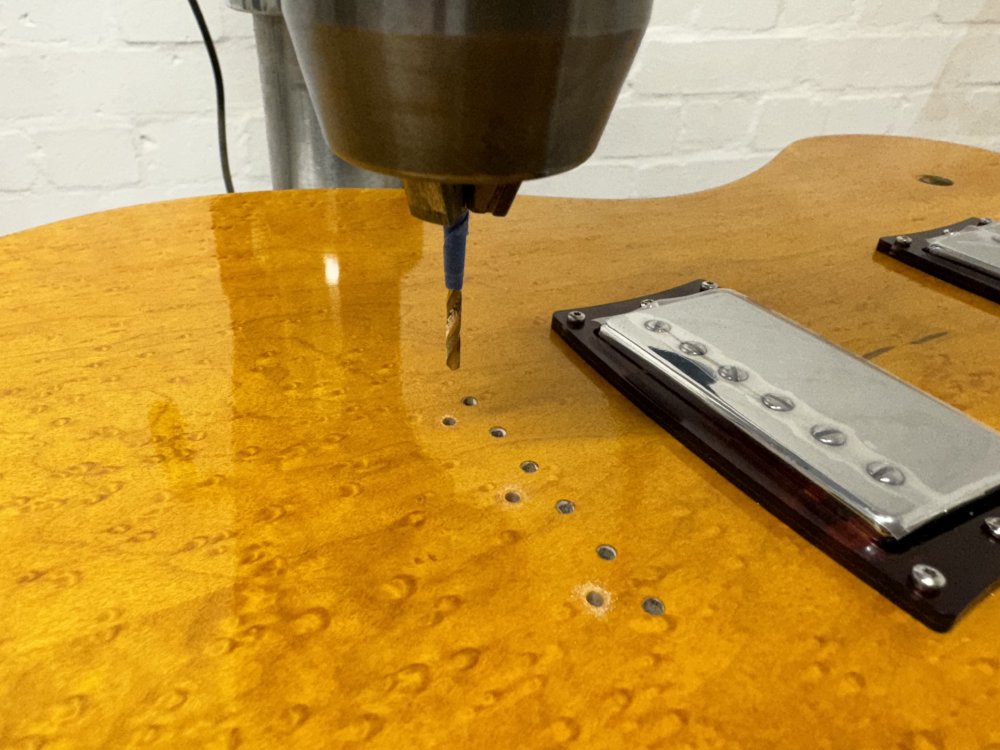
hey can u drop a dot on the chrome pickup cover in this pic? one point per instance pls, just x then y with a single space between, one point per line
977 247
895 456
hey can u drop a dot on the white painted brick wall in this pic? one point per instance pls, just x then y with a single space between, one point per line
110 102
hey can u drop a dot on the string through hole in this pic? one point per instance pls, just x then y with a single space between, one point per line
653 606
595 598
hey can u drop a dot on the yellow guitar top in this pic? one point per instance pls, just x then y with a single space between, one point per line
232 514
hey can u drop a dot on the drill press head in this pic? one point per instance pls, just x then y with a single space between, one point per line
465 99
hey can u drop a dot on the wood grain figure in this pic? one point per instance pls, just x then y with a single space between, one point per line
243 503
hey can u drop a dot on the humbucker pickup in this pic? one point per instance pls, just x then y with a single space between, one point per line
966 254
899 487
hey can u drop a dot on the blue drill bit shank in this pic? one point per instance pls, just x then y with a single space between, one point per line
454 252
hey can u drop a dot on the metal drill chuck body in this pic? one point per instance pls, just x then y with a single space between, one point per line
465 99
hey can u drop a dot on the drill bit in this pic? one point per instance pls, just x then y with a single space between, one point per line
454 272
453 329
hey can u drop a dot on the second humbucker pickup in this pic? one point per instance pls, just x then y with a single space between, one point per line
966 254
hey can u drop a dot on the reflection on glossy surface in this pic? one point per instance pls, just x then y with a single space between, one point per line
231 515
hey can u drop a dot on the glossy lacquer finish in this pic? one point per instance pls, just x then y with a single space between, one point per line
231 514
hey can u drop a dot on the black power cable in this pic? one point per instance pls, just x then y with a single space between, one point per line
220 94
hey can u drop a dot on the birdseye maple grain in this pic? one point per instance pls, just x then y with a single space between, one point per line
233 514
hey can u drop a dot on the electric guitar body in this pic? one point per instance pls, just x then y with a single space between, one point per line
243 502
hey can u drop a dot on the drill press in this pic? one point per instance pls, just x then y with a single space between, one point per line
464 99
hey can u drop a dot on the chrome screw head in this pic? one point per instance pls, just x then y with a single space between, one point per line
992 526
985 220
647 303
935 248
927 579
576 319
708 285
903 241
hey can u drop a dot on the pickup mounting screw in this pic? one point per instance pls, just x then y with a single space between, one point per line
903 241
984 221
576 319
927 579
992 526
708 285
